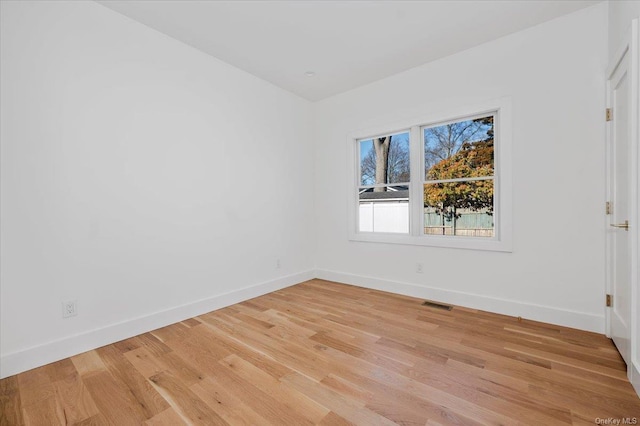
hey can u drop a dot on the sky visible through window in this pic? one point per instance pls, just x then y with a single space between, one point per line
444 141
398 160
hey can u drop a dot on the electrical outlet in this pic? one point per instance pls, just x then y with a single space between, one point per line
278 264
419 268
69 309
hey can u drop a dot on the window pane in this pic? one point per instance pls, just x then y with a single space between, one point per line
459 208
384 159
458 150
384 209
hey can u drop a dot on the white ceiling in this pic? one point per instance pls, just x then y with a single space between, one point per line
346 43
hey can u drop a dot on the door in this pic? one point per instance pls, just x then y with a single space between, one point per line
620 207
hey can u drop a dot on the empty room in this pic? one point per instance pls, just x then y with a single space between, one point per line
319 212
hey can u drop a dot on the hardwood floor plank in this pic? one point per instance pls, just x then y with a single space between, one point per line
150 402
332 419
116 403
289 355
574 347
185 371
186 403
589 406
498 398
168 417
191 322
227 403
35 386
88 362
292 400
153 344
345 407
128 344
10 403
616 373
45 412
74 399
268 364
149 365
386 384
143 361
170 333
265 404
615 386
97 420
348 389
60 370
258 324
359 352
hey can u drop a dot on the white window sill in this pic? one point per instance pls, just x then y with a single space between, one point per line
476 243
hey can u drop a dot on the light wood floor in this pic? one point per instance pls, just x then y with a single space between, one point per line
331 354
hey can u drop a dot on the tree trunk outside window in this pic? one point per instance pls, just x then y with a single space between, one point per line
381 146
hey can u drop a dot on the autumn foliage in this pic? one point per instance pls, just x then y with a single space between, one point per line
474 159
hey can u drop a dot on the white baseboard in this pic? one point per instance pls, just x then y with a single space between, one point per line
17 362
551 315
634 376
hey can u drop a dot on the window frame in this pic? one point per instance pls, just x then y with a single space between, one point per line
502 239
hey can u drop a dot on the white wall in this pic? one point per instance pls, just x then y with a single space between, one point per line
140 177
621 13
554 75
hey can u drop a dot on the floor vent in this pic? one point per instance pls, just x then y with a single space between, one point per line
437 305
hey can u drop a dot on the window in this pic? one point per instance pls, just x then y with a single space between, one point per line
384 184
440 182
459 177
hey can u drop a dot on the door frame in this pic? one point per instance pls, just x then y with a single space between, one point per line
629 47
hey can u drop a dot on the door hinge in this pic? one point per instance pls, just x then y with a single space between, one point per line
609 300
608 207
609 114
